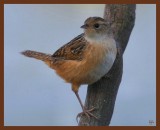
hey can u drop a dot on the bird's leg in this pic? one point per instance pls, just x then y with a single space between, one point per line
85 111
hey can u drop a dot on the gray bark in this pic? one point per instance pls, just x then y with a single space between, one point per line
102 94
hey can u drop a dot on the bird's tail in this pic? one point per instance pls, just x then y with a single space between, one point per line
37 55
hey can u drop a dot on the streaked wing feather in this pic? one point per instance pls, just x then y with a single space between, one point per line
74 50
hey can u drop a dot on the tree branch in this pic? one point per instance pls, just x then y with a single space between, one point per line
102 94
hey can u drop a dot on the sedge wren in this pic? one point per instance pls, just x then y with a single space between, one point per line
85 59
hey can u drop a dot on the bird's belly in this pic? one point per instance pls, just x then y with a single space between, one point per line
102 68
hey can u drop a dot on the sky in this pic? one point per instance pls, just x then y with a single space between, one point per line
35 96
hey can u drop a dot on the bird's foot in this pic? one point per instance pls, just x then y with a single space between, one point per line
87 113
108 76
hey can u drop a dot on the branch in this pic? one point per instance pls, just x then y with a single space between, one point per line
102 94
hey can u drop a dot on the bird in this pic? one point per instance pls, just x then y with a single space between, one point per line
85 59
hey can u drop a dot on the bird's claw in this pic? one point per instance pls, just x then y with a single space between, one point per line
87 113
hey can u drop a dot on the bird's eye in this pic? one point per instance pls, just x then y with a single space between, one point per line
96 25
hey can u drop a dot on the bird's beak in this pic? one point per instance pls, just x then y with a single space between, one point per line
85 26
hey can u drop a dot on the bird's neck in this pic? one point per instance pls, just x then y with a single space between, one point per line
102 39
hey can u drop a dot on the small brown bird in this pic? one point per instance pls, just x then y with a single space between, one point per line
85 59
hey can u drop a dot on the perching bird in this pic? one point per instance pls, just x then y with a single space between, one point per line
85 59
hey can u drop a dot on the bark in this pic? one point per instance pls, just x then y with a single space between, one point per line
102 94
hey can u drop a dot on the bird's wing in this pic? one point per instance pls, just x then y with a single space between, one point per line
74 50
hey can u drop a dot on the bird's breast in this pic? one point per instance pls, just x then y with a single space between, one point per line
99 60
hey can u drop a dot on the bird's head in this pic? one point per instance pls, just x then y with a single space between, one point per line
96 28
